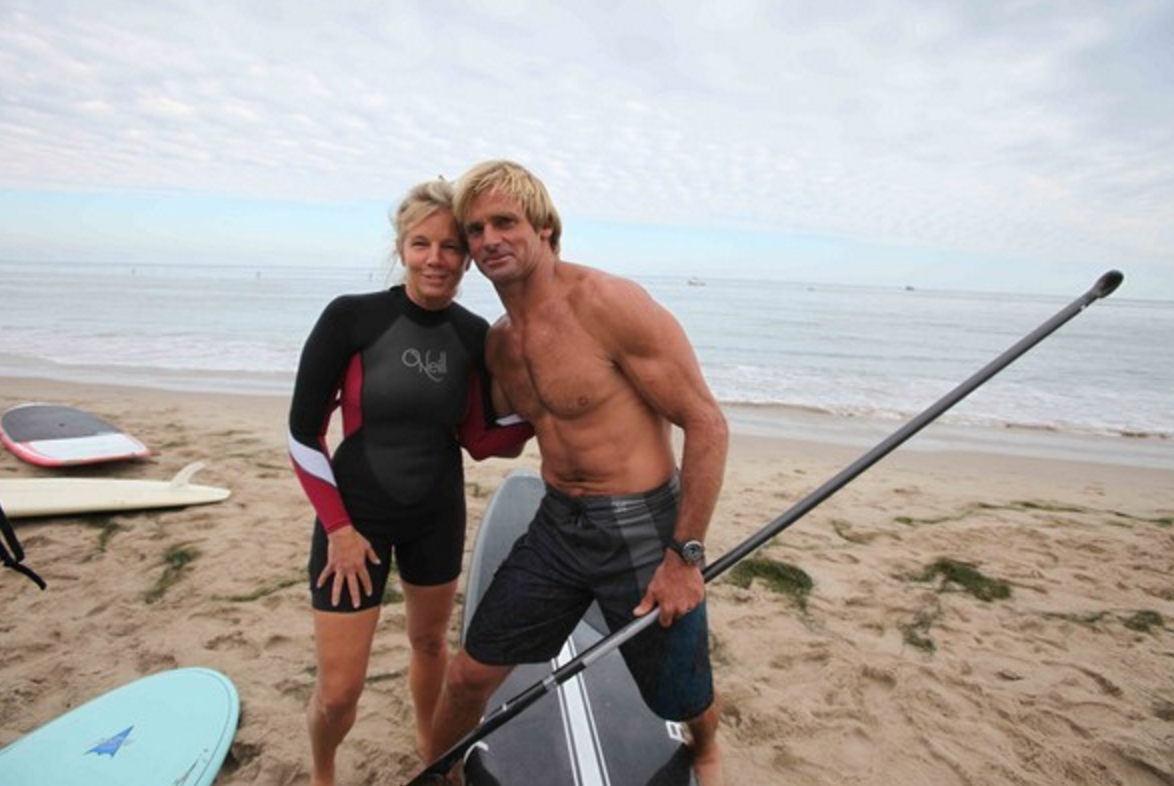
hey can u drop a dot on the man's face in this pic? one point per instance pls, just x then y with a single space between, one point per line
502 241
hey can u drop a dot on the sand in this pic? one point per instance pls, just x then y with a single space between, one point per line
883 673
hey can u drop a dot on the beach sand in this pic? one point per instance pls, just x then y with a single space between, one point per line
885 672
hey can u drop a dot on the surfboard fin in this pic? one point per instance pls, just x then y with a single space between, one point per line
185 475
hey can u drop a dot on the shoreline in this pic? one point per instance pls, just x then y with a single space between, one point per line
845 436
1155 448
880 674
943 438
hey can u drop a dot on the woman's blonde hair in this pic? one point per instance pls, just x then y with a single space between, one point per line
514 181
421 202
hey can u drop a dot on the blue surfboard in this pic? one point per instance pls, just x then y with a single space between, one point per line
174 728
595 730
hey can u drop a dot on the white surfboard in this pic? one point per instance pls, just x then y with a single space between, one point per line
50 435
30 497
174 727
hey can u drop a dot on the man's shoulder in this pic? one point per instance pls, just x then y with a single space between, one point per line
594 286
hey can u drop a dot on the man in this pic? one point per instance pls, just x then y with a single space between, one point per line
602 372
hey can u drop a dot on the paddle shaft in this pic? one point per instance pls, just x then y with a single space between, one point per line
1104 287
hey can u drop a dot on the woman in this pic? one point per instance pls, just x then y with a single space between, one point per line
406 367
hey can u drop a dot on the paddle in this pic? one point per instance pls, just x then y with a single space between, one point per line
1104 287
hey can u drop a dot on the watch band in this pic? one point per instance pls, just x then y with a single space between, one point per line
691 552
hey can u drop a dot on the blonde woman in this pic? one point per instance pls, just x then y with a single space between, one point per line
405 366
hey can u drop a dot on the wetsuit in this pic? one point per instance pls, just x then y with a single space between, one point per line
408 381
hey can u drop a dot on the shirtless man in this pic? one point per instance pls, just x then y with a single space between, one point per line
602 372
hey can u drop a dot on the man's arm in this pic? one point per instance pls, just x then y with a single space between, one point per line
655 355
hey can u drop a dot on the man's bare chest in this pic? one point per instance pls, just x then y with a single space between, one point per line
562 371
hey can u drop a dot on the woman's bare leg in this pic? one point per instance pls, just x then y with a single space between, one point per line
343 643
429 610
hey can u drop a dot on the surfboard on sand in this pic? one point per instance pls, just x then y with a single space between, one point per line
594 729
50 435
31 497
174 727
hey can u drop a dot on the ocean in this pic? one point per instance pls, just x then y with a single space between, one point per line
852 351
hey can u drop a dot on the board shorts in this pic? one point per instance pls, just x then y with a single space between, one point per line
427 542
605 549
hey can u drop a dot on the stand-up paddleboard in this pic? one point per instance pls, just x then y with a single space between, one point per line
174 727
50 435
595 730
30 497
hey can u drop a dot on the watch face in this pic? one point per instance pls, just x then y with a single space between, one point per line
693 552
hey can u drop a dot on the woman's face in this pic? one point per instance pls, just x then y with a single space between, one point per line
434 255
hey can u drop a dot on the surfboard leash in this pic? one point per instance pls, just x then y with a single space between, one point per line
12 555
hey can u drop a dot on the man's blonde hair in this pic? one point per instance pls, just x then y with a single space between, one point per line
514 181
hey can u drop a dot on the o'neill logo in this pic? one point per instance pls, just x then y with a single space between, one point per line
433 368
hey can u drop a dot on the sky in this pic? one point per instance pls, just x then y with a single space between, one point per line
1023 146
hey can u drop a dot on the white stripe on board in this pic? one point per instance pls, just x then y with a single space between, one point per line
587 758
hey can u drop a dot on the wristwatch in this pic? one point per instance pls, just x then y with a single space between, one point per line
691 552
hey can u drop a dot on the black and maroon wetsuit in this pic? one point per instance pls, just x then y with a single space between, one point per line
411 387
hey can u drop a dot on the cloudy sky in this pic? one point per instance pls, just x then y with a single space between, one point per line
1017 146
